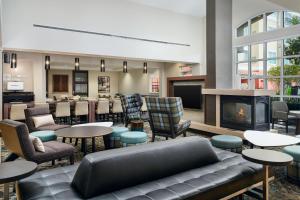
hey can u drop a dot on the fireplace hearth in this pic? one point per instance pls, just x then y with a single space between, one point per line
245 112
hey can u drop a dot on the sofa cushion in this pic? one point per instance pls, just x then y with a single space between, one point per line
43 120
53 127
56 183
121 168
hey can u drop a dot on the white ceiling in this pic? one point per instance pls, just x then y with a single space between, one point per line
188 7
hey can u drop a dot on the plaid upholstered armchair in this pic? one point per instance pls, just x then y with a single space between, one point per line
131 105
165 117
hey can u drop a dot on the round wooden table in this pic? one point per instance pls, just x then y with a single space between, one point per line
85 132
268 139
267 158
296 113
14 171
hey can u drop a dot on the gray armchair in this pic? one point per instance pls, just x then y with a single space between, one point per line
280 113
16 139
40 111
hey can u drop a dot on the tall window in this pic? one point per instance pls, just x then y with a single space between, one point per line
273 65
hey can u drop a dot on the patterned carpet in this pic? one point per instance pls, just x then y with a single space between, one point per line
280 188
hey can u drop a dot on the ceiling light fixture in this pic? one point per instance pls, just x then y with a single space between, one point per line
47 62
102 65
145 69
125 67
77 67
13 63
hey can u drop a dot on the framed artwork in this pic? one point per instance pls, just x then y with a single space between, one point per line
103 84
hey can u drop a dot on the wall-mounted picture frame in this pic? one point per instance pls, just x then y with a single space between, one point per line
103 84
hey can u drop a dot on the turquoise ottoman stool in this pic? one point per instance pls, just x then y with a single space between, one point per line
293 170
115 136
45 136
227 142
133 138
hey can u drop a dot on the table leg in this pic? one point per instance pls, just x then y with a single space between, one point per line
266 182
83 145
106 139
94 144
6 191
297 126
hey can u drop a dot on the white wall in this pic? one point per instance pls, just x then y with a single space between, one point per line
108 16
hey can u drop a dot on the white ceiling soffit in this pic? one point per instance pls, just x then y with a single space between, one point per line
293 5
195 8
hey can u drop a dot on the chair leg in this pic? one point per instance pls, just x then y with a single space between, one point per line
184 134
71 140
153 137
167 138
287 126
71 160
273 123
53 162
76 141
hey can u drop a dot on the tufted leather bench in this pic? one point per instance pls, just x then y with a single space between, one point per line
203 177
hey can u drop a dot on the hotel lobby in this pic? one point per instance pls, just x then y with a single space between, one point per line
150 100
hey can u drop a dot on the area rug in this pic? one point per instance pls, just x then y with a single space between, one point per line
280 188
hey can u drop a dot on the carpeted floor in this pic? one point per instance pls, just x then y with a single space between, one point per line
280 188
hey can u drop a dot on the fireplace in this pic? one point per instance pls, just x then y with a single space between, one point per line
245 112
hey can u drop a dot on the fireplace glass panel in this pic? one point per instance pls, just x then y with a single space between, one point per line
260 113
237 113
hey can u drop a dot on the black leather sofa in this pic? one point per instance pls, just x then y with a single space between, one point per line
187 168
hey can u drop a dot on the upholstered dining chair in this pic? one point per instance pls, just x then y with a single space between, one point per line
165 117
131 105
41 105
17 112
280 113
16 139
81 109
102 111
117 110
63 111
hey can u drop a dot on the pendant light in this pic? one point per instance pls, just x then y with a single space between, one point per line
77 68
47 62
145 69
13 63
102 65
125 67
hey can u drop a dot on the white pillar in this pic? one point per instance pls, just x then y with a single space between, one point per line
39 78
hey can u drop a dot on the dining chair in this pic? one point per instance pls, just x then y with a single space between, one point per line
102 110
81 110
117 110
62 112
41 105
17 112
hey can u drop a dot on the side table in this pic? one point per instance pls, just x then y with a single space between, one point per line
14 171
267 158
137 125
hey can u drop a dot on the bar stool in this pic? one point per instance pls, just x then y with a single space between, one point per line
17 112
117 110
102 111
81 109
62 111
41 105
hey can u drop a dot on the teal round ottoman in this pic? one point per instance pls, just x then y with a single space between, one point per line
45 136
227 142
133 137
116 134
293 170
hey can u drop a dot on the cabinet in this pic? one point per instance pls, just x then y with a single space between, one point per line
81 83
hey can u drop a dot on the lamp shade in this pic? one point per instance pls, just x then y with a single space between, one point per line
47 62
145 69
102 65
125 67
77 67
13 62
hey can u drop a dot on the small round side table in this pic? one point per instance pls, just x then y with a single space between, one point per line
267 158
14 171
